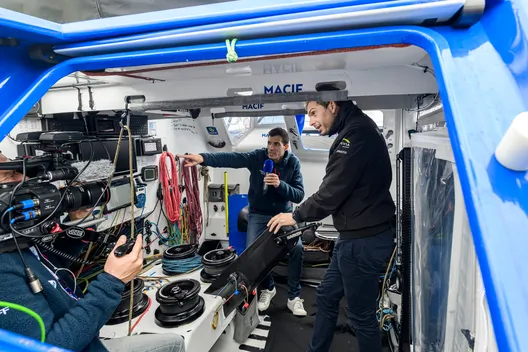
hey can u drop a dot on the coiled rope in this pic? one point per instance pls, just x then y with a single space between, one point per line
169 184
181 266
192 191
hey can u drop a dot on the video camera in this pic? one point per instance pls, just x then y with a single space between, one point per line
31 209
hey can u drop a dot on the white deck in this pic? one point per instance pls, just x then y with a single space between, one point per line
199 335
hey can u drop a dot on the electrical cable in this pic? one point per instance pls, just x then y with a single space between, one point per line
142 315
170 186
61 254
108 180
381 311
33 280
31 313
85 258
132 221
64 195
58 203
58 269
8 211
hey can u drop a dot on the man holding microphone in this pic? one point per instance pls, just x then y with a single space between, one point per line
275 182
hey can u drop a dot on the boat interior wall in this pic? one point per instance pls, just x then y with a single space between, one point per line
179 135
351 59
383 71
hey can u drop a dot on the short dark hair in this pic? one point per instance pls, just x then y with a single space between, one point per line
281 132
328 88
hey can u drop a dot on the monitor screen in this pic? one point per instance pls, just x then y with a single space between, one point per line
119 196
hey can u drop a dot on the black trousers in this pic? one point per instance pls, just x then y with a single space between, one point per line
354 272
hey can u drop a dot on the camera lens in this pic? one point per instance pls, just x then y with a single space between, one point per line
85 196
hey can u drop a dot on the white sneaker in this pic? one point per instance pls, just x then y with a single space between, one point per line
265 299
297 307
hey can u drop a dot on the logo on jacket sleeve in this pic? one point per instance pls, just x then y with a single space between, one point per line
343 146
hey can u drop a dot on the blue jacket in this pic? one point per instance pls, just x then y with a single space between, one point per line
70 324
275 200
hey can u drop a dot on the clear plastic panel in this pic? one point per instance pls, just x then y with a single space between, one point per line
434 208
468 326
464 299
67 11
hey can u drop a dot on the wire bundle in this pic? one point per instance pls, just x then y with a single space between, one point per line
194 212
384 317
384 314
169 184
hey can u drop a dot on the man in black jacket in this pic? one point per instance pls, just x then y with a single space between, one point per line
355 191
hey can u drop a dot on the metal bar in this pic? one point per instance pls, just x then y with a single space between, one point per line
79 85
374 102
381 102
259 113
241 100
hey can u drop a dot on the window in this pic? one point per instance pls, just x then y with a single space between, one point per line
375 115
237 127
311 139
270 120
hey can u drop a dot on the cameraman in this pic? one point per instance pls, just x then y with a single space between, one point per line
71 322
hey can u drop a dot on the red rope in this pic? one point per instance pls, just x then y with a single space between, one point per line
192 191
169 184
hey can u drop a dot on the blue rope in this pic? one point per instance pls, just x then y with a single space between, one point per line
181 265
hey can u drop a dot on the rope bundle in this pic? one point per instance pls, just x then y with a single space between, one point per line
169 184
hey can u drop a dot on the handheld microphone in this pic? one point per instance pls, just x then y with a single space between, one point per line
267 169
97 170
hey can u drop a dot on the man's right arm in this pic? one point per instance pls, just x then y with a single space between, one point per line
234 160
343 173
75 329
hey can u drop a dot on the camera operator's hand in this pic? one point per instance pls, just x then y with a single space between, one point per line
7 176
126 268
79 214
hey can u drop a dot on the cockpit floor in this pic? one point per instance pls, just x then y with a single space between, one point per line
292 334
281 331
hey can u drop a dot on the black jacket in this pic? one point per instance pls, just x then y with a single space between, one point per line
356 187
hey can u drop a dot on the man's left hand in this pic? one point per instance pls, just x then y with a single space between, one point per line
272 180
8 176
79 214
280 220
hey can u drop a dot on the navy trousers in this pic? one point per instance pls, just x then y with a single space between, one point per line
354 272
